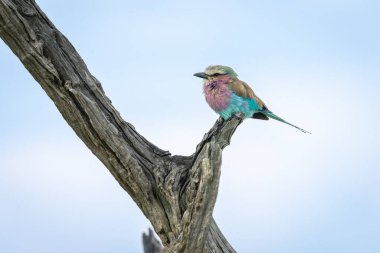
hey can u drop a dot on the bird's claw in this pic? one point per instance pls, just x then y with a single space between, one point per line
240 115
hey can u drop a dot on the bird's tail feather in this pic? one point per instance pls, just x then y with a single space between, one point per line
274 116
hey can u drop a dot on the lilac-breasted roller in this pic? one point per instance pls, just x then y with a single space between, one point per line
227 95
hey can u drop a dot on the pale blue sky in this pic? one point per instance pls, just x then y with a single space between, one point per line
315 63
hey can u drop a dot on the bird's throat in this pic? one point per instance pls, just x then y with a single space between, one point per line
212 85
217 94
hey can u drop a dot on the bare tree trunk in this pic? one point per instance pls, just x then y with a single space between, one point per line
176 193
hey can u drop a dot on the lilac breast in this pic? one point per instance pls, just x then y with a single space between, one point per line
217 95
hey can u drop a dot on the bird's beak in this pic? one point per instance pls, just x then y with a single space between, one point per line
201 75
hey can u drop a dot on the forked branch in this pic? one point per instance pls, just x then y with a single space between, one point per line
176 193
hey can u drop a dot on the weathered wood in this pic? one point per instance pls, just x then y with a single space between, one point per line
150 243
176 193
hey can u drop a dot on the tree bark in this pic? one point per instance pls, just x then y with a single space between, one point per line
176 193
150 243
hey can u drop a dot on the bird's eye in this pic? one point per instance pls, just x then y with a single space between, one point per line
216 74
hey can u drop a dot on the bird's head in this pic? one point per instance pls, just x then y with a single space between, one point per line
216 72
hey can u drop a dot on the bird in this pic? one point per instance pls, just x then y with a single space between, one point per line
228 96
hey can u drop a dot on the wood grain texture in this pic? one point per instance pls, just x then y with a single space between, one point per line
176 193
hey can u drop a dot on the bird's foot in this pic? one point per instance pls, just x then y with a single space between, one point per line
240 115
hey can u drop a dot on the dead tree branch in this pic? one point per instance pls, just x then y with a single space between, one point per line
150 243
176 193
